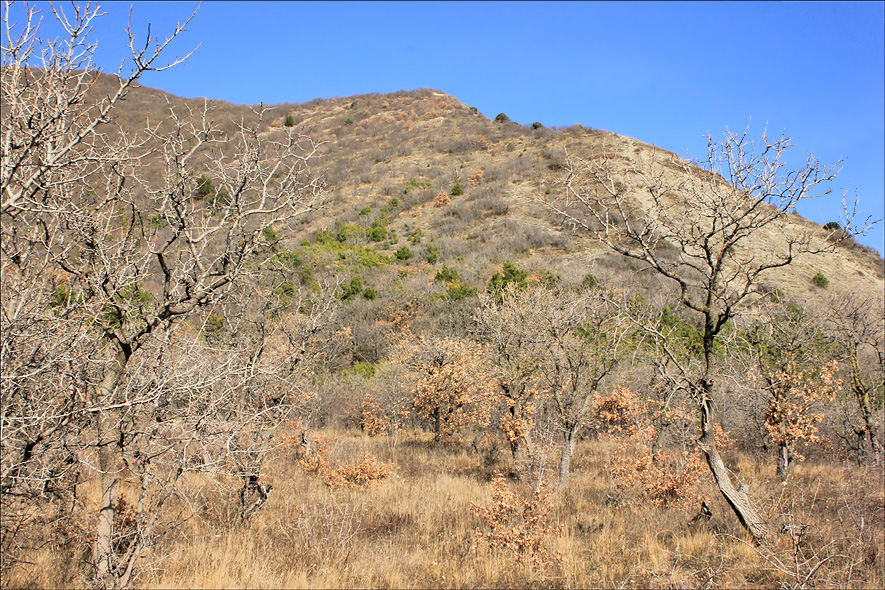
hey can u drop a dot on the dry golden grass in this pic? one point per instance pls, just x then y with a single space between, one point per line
417 529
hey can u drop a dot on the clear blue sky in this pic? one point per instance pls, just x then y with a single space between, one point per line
665 73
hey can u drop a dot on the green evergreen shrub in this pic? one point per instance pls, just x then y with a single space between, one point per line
351 289
271 235
446 275
511 275
214 327
776 295
458 291
377 232
589 281
204 187
366 370
403 253
432 253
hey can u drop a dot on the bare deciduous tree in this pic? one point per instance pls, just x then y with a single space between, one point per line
692 225
102 267
585 338
855 323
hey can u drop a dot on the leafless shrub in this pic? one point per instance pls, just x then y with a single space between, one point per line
811 554
458 144
486 191
493 206
418 196
497 173
519 238
382 154
520 166
326 530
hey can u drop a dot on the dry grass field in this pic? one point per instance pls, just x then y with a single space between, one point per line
418 528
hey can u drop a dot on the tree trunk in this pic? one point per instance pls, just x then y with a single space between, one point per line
518 455
569 438
110 464
862 394
103 551
738 499
783 460
521 446
253 495
437 425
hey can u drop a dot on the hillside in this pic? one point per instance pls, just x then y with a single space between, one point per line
376 145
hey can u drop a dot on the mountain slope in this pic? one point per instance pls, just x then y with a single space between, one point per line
409 149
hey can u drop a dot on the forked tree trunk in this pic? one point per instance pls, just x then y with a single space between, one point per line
738 499
515 450
253 495
521 446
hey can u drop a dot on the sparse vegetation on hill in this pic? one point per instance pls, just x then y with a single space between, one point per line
346 343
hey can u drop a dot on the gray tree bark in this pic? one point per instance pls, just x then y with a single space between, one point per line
110 464
738 499
783 460
569 439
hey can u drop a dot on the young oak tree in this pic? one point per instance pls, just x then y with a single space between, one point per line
451 384
510 326
693 224
796 372
107 248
